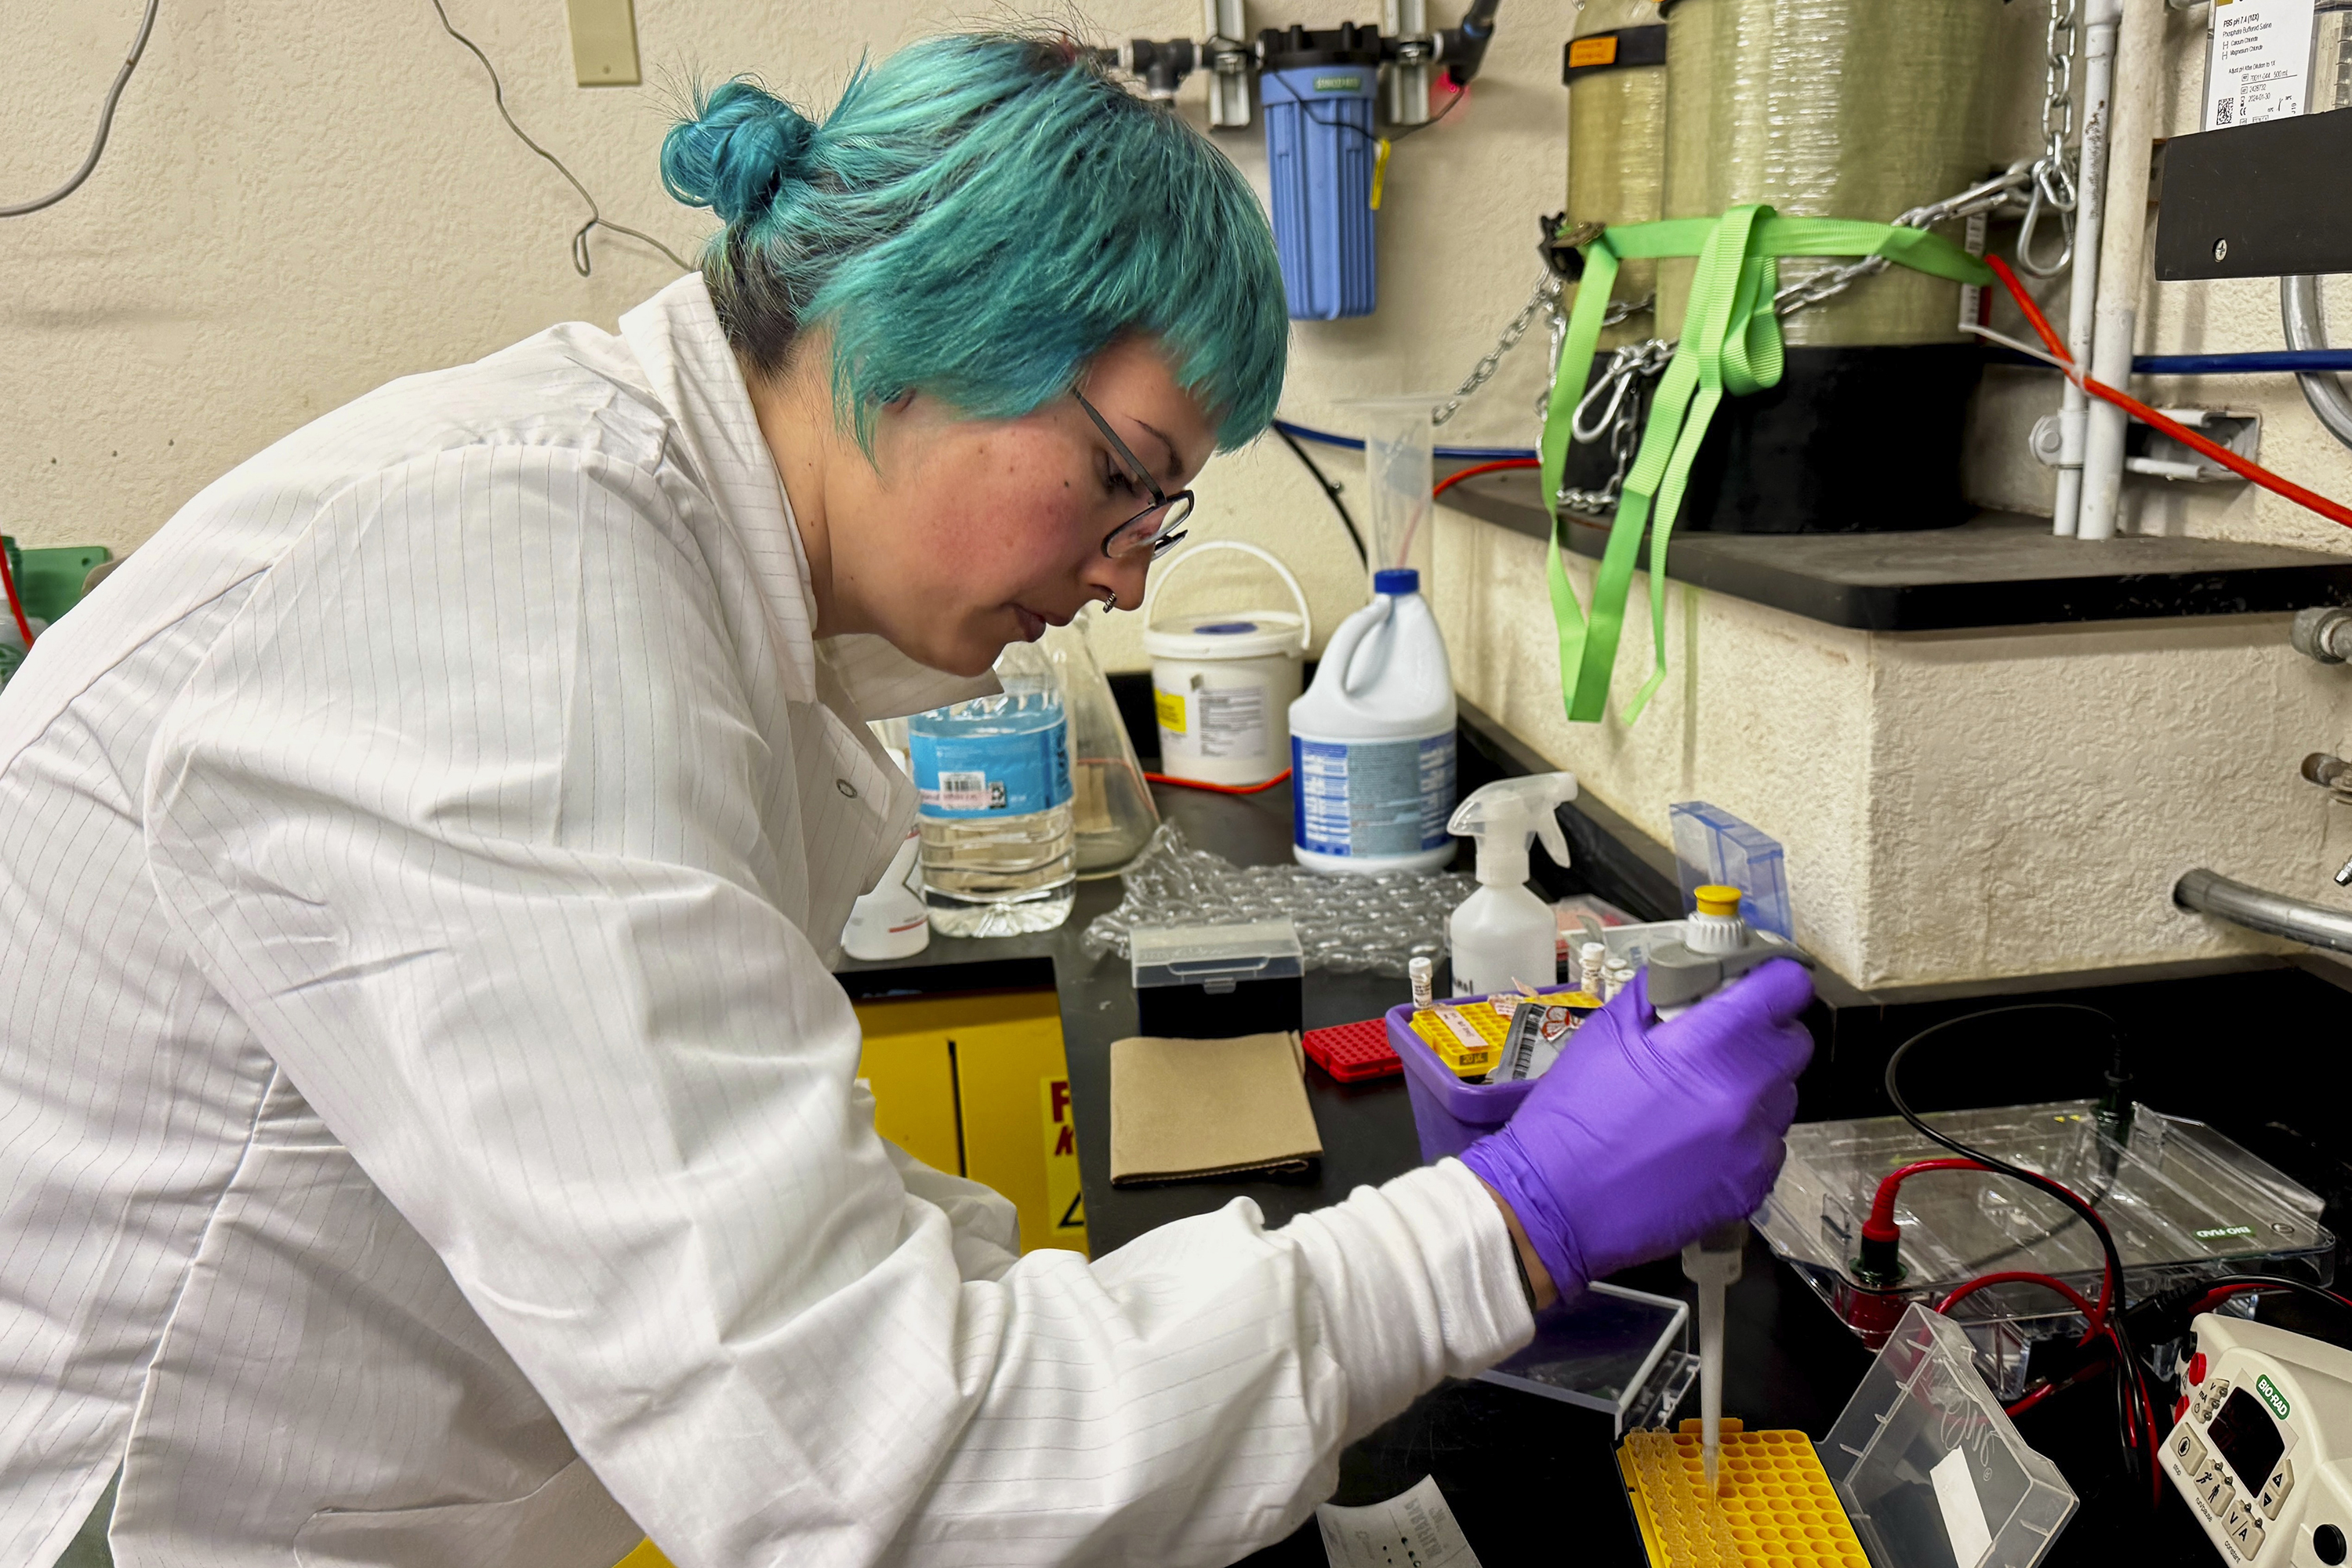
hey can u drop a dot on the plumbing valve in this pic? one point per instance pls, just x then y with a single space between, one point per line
2324 632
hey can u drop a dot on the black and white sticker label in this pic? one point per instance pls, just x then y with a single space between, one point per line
2257 62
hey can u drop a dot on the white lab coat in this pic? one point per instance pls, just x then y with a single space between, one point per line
427 1124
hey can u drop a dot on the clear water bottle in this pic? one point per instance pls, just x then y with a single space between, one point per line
993 777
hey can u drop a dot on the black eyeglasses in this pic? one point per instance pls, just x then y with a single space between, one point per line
1158 526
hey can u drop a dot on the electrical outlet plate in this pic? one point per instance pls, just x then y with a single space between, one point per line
603 42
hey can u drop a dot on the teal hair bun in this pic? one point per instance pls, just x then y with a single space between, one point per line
740 149
977 218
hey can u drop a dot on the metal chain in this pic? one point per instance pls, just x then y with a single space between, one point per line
1620 420
2053 172
1547 296
1547 290
1618 407
1982 197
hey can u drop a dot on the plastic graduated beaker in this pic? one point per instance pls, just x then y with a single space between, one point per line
1398 469
1111 804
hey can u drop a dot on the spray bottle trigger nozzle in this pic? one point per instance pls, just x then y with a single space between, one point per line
1555 841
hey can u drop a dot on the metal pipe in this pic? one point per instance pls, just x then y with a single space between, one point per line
2090 200
2273 914
2299 314
2139 60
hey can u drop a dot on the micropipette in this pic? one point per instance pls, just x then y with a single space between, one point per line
1712 1262
1716 946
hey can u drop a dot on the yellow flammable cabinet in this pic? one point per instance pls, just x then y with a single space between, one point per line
977 1084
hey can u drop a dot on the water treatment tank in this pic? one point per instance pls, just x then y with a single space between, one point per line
1615 70
1858 109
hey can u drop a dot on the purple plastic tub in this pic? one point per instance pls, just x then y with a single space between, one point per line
1448 1114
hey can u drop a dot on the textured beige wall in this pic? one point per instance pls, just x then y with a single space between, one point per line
304 201
1955 805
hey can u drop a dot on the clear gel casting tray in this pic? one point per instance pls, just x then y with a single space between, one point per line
2183 1202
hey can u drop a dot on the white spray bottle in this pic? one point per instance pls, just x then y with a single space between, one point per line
1503 935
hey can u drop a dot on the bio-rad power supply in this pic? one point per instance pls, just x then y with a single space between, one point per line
2262 1444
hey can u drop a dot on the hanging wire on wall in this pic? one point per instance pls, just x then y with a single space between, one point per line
581 262
105 124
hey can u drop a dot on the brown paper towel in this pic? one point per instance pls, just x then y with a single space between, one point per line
1188 1109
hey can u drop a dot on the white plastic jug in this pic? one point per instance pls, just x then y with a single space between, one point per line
1371 743
1222 684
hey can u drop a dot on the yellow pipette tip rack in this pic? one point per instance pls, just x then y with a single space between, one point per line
1773 1506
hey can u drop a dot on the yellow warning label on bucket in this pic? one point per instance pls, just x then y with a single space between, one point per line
1064 1207
1170 708
1596 51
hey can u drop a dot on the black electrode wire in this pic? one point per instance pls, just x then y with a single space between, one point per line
1374 137
1330 491
105 124
581 261
2135 1408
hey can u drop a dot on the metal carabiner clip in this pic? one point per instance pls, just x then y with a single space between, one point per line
2034 211
1613 380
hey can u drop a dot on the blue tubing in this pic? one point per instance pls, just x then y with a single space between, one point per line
2268 362
1457 454
2273 361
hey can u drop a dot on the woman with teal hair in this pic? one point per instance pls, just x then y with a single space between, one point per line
429 1128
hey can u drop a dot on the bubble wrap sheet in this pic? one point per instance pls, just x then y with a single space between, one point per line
1350 925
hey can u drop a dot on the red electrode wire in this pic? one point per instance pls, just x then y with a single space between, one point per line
2215 1297
1881 1228
1474 470
16 605
2082 1303
2309 501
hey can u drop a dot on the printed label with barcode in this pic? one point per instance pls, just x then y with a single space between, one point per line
960 792
2257 61
979 775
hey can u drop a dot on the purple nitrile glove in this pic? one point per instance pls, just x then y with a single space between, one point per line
1645 1133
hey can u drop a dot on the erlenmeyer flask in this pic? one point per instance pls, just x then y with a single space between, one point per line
1111 803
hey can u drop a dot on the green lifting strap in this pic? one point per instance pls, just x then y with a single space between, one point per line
1730 344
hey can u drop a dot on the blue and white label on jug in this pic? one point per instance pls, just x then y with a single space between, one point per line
1371 797
992 776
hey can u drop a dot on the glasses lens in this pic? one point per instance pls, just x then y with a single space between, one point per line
1151 531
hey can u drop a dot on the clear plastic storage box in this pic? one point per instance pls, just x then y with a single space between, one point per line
1606 1348
1711 845
1929 1468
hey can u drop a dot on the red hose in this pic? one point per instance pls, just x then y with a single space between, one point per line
1474 470
2310 500
1218 788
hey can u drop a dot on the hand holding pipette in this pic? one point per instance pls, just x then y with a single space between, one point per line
1646 1134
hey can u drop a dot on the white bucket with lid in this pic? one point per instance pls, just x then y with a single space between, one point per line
1222 683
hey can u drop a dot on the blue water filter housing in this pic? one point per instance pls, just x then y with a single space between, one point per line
1317 88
